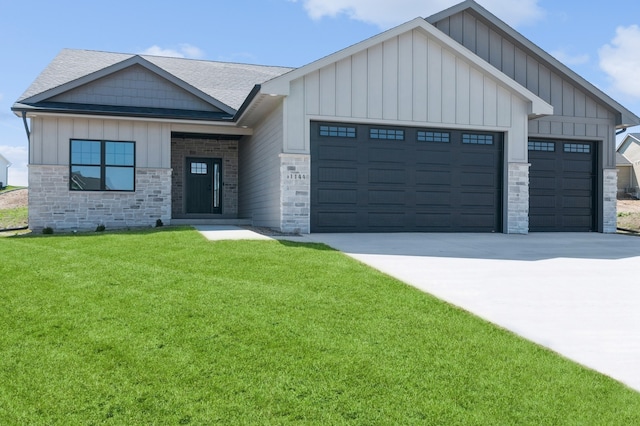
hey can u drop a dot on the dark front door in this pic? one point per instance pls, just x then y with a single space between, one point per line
204 186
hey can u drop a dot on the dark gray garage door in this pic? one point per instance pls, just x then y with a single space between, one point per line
381 179
562 186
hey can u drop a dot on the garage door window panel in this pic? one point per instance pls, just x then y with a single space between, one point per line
477 139
338 131
428 136
387 134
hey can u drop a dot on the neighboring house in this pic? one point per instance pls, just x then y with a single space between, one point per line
628 164
4 171
456 123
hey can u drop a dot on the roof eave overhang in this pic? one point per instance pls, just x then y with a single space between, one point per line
32 112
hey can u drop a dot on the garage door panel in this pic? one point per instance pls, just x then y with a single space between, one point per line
387 198
477 199
479 159
433 158
433 198
336 174
486 179
433 177
337 196
337 219
476 221
577 183
582 166
434 221
337 153
582 203
385 220
562 187
542 202
405 185
379 155
387 176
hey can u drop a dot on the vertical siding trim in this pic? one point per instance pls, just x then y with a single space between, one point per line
390 65
359 85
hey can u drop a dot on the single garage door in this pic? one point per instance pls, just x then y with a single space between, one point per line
562 186
367 178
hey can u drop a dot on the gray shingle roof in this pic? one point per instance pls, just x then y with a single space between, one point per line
230 83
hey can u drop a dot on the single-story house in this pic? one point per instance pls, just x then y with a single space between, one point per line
454 123
628 164
4 171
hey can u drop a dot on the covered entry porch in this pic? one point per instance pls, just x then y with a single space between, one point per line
204 181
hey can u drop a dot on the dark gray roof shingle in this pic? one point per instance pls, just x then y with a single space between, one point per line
230 83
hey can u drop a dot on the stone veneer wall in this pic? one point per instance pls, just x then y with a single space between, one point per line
518 198
295 188
52 204
227 150
610 207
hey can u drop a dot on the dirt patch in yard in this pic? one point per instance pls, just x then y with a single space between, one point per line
629 214
14 199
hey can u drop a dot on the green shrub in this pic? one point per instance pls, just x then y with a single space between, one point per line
47 231
100 228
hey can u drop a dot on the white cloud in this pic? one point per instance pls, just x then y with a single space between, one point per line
385 13
621 61
569 59
183 50
17 156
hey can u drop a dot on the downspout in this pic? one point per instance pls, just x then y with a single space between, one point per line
26 126
619 132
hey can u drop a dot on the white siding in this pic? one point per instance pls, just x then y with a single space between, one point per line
409 80
259 172
50 138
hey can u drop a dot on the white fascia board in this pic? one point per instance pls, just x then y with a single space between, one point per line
280 86
175 121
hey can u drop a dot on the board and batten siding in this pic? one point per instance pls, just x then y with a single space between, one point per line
259 172
134 86
408 80
50 138
577 113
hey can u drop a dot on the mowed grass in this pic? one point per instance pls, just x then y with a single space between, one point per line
164 327
13 218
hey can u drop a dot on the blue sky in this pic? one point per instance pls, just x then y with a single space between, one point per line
598 40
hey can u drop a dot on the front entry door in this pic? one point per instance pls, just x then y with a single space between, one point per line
204 185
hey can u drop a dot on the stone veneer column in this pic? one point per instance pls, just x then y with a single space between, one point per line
52 204
609 194
295 190
518 198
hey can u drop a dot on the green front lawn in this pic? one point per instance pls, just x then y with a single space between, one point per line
164 327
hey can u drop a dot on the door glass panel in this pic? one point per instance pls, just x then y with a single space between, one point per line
216 185
198 168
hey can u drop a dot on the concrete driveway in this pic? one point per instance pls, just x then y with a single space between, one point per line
577 294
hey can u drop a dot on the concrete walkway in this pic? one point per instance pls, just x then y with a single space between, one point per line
577 294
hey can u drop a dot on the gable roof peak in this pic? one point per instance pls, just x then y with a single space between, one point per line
625 117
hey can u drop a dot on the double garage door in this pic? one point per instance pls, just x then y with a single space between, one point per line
367 178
